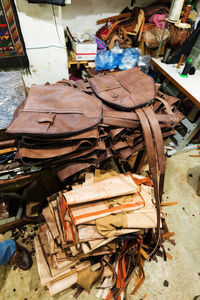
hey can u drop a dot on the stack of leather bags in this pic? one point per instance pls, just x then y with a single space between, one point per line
97 234
58 126
71 126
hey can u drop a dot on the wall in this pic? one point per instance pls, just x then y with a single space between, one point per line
81 16
45 44
44 39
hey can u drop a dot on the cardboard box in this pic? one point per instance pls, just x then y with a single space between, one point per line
84 51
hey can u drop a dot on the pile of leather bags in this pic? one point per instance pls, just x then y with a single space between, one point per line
72 126
95 234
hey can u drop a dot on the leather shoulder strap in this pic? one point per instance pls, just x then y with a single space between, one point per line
159 146
152 167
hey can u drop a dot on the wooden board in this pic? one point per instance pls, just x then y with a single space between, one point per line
112 187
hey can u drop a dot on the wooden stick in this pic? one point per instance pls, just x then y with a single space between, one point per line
180 61
167 235
169 203
141 30
169 256
3 151
113 18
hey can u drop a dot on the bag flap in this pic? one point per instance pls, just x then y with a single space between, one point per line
61 99
126 90
56 111
104 83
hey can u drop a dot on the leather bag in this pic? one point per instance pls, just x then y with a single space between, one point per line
125 90
53 111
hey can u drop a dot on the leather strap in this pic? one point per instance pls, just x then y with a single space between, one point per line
168 107
152 167
159 146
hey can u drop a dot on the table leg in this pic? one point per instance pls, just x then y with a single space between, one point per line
183 142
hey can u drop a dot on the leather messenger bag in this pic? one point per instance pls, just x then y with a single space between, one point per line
125 90
56 111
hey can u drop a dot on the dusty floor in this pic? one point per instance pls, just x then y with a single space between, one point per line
182 273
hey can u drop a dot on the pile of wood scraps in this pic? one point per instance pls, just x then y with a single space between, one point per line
98 234
138 27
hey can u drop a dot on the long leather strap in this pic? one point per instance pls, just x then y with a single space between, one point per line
159 146
152 167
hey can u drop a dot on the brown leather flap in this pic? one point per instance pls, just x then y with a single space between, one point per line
126 90
56 111
104 83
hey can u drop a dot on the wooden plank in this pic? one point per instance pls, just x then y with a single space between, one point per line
95 210
7 143
119 185
113 18
51 222
141 30
8 150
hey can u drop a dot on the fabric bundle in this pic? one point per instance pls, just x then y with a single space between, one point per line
100 240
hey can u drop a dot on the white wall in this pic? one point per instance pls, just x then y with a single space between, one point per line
39 30
81 16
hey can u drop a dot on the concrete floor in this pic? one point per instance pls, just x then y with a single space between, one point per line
182 273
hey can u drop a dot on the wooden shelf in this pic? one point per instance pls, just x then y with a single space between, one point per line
73 61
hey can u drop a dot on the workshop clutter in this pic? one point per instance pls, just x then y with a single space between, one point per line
97 234
106 228
148 28
137 27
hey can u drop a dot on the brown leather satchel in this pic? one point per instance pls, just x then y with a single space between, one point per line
56 111
125 90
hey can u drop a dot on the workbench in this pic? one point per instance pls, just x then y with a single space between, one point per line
190 87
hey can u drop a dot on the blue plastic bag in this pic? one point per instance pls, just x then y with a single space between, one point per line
107 60
129 59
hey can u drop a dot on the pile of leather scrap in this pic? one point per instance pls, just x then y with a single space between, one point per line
71 126
127 27
154 24
99 234
122 28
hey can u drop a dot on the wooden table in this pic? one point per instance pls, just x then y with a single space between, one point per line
190 87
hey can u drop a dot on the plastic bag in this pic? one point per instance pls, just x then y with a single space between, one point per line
129 59
116 49
144 63
107 60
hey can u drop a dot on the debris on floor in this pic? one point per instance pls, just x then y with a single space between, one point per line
100 233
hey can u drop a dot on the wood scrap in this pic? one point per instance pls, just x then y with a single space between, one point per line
113 18
111 245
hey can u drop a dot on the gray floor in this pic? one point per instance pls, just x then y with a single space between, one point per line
181 273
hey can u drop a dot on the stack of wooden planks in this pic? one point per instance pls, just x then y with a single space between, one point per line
96 233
